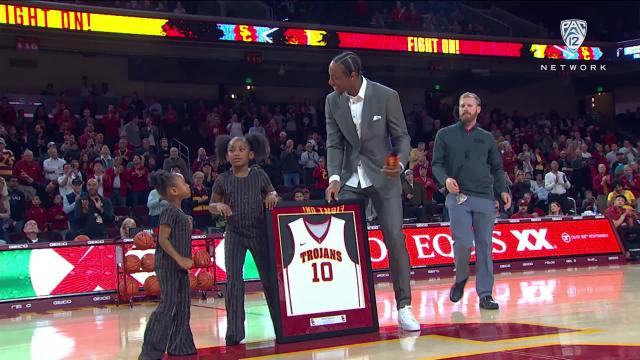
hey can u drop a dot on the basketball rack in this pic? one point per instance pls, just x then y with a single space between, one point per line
124 276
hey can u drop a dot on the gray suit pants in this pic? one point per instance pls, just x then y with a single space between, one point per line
388 206
472 222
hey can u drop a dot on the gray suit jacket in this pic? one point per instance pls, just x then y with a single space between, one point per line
377 139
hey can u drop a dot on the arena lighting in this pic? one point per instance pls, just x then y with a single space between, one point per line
417 44
629 52
561 52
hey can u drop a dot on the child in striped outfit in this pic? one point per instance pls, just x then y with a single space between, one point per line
241 195
168 326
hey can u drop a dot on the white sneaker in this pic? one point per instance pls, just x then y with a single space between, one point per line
406 320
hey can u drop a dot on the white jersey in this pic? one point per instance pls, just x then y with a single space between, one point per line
321 277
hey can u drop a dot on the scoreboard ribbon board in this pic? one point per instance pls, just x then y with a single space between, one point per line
321 270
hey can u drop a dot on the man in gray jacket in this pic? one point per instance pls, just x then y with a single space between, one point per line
467 160
365 124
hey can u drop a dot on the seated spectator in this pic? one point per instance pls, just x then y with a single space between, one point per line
588 201
57 218
6 160
125 228
618 189
414 199
17 205
37 213
29 174
523 211
298 195
92 212
31 232
155 204
625 221
555 209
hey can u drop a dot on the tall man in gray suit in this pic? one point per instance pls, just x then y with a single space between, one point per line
364 123
467 160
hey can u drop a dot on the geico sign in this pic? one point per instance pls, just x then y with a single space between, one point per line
427 246
62 302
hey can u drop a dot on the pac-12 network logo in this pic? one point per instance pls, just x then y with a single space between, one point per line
573 32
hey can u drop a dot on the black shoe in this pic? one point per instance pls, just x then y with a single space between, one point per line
232 342
487 303
457 290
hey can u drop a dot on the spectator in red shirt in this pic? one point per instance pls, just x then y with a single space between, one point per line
621 213
138 179
523 211
321 177
89 133
427 182
37 213
119 180
111 123
57 218
123 149
29 174
509 159
200 160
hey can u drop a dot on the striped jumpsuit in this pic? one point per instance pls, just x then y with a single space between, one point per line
168 327
246 230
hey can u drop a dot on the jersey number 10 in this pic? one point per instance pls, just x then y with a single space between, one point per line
324 270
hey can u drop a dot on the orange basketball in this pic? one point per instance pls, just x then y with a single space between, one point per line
151 285
143 240
204 281
130 290
147 262
201 259
131 263
192 281
81 238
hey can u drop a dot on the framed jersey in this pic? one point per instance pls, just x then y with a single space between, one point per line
322 270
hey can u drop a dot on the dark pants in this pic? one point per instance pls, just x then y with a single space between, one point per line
202 222
630 236
117 199
168 327
472 223
308 176
423 214
235 250
388 206
139 198
154 220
